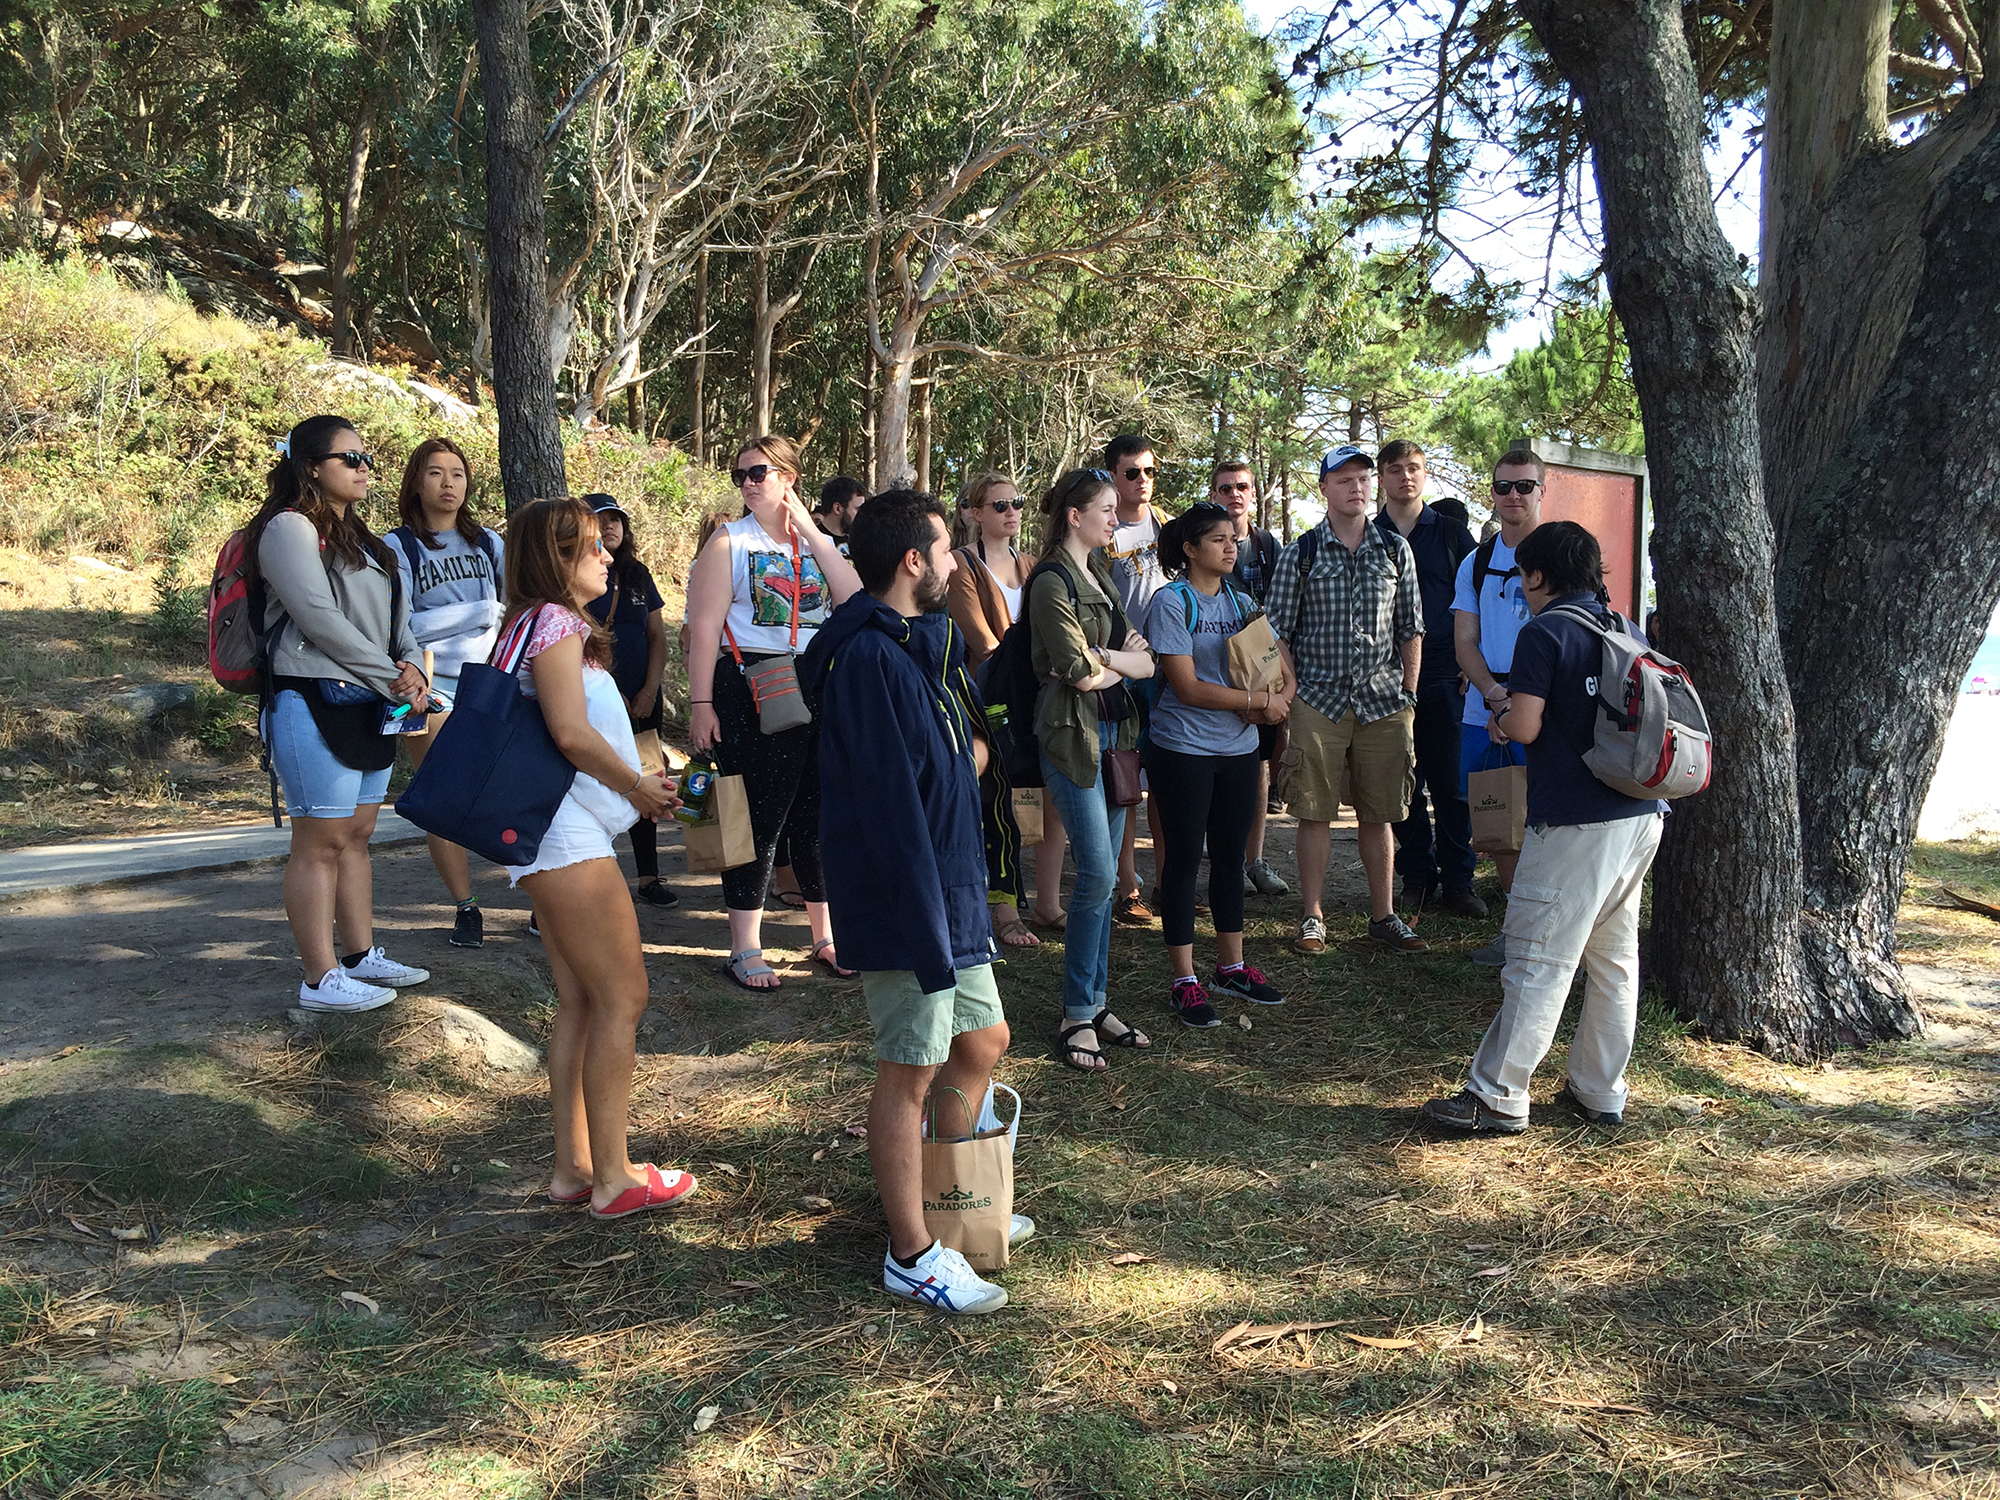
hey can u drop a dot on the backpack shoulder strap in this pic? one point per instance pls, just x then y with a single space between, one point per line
1308 552
1482 564
406 538
1186 592
486 545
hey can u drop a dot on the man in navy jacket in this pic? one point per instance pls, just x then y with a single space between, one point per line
905 859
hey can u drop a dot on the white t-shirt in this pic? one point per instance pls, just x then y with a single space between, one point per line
762 589
1502 611
1134 555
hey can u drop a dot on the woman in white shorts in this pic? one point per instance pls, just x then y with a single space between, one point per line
555 566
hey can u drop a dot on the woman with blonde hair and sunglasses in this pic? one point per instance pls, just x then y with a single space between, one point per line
759 591
556 565
984 599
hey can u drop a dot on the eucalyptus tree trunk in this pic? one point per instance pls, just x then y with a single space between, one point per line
1727 893
347 243
524 387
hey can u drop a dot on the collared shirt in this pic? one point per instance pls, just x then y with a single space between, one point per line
1438 543
1345 624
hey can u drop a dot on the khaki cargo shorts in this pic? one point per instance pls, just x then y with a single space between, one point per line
1378 761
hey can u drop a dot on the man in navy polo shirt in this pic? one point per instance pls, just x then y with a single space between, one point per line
1582 867
1439 544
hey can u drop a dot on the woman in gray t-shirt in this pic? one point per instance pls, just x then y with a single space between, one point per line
1201 754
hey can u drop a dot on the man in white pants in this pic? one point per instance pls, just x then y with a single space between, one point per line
1582 867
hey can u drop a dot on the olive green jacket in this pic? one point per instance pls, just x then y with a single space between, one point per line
1065 719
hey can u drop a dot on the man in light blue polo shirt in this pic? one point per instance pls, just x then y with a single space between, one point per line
1488 611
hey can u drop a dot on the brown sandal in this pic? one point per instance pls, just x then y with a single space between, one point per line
1015 934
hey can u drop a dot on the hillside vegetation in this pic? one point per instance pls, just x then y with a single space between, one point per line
135 433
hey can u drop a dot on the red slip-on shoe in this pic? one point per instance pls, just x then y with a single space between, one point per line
581 1195
660 1190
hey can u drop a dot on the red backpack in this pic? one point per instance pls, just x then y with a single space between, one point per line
237 646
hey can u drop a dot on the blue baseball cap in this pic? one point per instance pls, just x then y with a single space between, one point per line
1346 453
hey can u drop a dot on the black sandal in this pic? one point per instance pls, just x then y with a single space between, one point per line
1066 1050
1129 1037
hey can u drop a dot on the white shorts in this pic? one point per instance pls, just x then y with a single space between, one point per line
574 836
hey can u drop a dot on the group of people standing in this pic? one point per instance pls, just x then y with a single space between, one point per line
885 797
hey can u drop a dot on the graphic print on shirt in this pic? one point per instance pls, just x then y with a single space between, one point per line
454 569
772 584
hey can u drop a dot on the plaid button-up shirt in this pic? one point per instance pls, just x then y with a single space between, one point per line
1345 624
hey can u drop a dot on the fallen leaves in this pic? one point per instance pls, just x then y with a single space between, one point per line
130 1236
859 1132
1372 1343
814 1202
1576 1404
1494 1271
363 1301
1244 1022
1129 1258
1247 1336
726 1169
706 1418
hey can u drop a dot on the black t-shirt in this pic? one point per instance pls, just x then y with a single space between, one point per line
1557 660
636 597
1439 543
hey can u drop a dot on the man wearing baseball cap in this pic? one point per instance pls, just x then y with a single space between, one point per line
1345 604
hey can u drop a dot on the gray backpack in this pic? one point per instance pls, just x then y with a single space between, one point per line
1652 736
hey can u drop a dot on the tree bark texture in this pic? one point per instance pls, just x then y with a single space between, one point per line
524 388
1890 565
348 242
698 375
1727 891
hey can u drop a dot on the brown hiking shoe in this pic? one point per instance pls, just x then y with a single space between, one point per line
1132 911
1392 932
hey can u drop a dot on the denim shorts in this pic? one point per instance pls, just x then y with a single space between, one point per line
316 785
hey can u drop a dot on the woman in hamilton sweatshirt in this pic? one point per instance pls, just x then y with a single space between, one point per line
452 568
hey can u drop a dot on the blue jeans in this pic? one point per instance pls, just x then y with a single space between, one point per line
1450 860
1096 831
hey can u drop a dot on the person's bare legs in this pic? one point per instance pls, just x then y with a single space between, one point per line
1315 851
1006 918
354 897
448 859
1378 858
1128 862
746 932
1049 864
315 894
591 933
895 1126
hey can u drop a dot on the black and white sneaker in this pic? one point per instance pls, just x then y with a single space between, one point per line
654 894
1247 982
468 928
1191 1000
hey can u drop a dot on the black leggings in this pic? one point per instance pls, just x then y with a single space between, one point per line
1202 796
781 780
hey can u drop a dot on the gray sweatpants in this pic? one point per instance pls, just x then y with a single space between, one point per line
1575 900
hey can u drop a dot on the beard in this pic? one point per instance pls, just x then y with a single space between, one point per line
931 590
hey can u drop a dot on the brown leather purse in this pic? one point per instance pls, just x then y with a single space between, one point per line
1120 769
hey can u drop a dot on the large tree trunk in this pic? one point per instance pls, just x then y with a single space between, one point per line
1878 384
699 373
347 244
1727 887
524 388
892 408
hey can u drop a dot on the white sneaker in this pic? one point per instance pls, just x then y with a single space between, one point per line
942 1279
339 990
1020 1231
378 968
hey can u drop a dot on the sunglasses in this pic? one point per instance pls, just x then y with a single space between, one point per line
352 460
755 474
1134 472
1241 487
1516 486
1003 506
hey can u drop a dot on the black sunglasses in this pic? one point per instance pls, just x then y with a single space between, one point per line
1516 486
351 459
1003 506
755 474
1135 471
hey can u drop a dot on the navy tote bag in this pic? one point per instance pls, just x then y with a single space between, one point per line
494 779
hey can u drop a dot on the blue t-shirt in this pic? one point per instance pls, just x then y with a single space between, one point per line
637 597
1502 610
1175 726
1557 660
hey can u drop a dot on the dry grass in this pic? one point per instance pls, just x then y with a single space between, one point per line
1770 1282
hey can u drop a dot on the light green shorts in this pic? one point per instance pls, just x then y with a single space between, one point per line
915 1027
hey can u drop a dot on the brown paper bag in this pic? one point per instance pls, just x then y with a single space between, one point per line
651 759
1028 813
723 839
1254 663
1499 809
969 1196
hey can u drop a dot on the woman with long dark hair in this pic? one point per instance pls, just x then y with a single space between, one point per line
341 653
1201 755
760 589
452 569
555 566
630 608
1083 649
